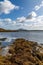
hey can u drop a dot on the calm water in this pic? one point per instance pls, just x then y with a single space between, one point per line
36 36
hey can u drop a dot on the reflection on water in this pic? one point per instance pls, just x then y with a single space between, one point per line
36 36
11 36
7 41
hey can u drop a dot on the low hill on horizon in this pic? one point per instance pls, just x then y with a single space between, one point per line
9 30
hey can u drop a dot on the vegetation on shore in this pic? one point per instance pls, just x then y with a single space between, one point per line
23 52
4 30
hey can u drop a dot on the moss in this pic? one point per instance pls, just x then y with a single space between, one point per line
23 52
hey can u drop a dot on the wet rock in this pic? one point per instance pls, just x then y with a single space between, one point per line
24 52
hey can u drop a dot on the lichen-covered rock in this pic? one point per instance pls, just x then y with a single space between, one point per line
23 52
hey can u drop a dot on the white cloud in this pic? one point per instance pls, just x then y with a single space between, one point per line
6 6
20 19
37 7
33 14
7 21
32 22
30 17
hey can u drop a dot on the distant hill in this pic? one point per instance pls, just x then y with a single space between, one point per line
2 29
5 30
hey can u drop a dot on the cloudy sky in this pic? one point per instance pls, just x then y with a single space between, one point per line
21 14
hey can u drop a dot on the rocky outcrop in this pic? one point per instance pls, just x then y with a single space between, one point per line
23 52
3 39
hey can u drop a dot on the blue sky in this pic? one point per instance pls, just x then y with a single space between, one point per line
25 14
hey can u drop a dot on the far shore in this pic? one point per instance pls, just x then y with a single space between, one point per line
20 30
5 30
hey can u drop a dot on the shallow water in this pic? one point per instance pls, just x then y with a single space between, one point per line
36 36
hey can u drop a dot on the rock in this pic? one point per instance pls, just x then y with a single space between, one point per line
23 52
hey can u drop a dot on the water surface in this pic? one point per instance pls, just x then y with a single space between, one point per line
36 36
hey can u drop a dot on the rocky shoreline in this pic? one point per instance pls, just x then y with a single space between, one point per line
22 52
3 39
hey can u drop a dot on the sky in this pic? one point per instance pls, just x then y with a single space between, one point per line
21 14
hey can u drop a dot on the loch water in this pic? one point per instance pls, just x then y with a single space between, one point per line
36 36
